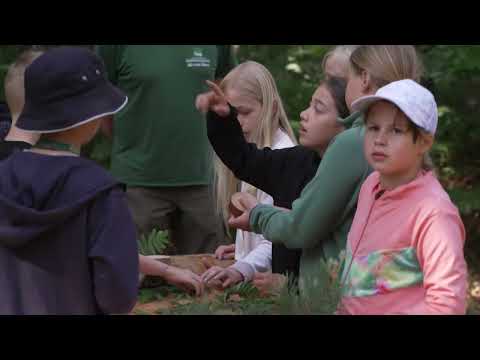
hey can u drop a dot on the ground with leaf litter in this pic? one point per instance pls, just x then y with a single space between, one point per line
156 297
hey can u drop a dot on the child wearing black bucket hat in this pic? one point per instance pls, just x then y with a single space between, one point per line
67 239
66 97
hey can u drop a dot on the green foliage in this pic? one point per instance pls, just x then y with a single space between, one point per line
455 74
160 292
148 295
154 243
315 295
222 306
194 308
468 201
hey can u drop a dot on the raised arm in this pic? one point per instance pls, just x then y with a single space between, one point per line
263 168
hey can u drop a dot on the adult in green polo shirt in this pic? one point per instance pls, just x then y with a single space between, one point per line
160 147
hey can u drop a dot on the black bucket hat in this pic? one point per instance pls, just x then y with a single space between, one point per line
67 87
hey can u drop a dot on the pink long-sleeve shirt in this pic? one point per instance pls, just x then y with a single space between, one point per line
407 247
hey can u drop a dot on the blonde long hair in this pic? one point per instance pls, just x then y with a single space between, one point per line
252 80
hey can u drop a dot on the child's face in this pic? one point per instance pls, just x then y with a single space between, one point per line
389 145
249 110
319 123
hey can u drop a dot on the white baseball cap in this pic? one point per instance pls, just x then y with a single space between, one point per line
416 102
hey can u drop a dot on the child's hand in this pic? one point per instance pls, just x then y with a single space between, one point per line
219 277
225 252
241 222
184 279
209 275
214 100
243 204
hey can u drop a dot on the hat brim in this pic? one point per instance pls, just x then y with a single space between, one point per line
72 112
365 102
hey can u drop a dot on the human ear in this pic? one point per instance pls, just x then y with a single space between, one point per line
425 143
366 81
275 107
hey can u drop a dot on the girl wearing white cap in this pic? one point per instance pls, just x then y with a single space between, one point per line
405 246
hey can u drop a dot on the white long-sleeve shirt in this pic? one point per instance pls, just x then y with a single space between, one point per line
253 253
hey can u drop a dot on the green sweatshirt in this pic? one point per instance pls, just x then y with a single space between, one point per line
320 219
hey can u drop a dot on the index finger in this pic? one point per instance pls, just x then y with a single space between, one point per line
216 89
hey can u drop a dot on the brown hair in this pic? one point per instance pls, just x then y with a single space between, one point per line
427 162
337 87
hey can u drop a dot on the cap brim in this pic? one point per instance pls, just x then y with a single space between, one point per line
73 112
365 102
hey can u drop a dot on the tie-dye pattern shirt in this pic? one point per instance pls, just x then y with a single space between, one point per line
405 251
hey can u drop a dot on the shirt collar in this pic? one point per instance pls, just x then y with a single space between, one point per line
420 180
355 119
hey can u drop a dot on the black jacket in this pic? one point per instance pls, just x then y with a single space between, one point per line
280 173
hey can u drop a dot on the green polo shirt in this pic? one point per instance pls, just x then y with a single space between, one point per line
160 138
